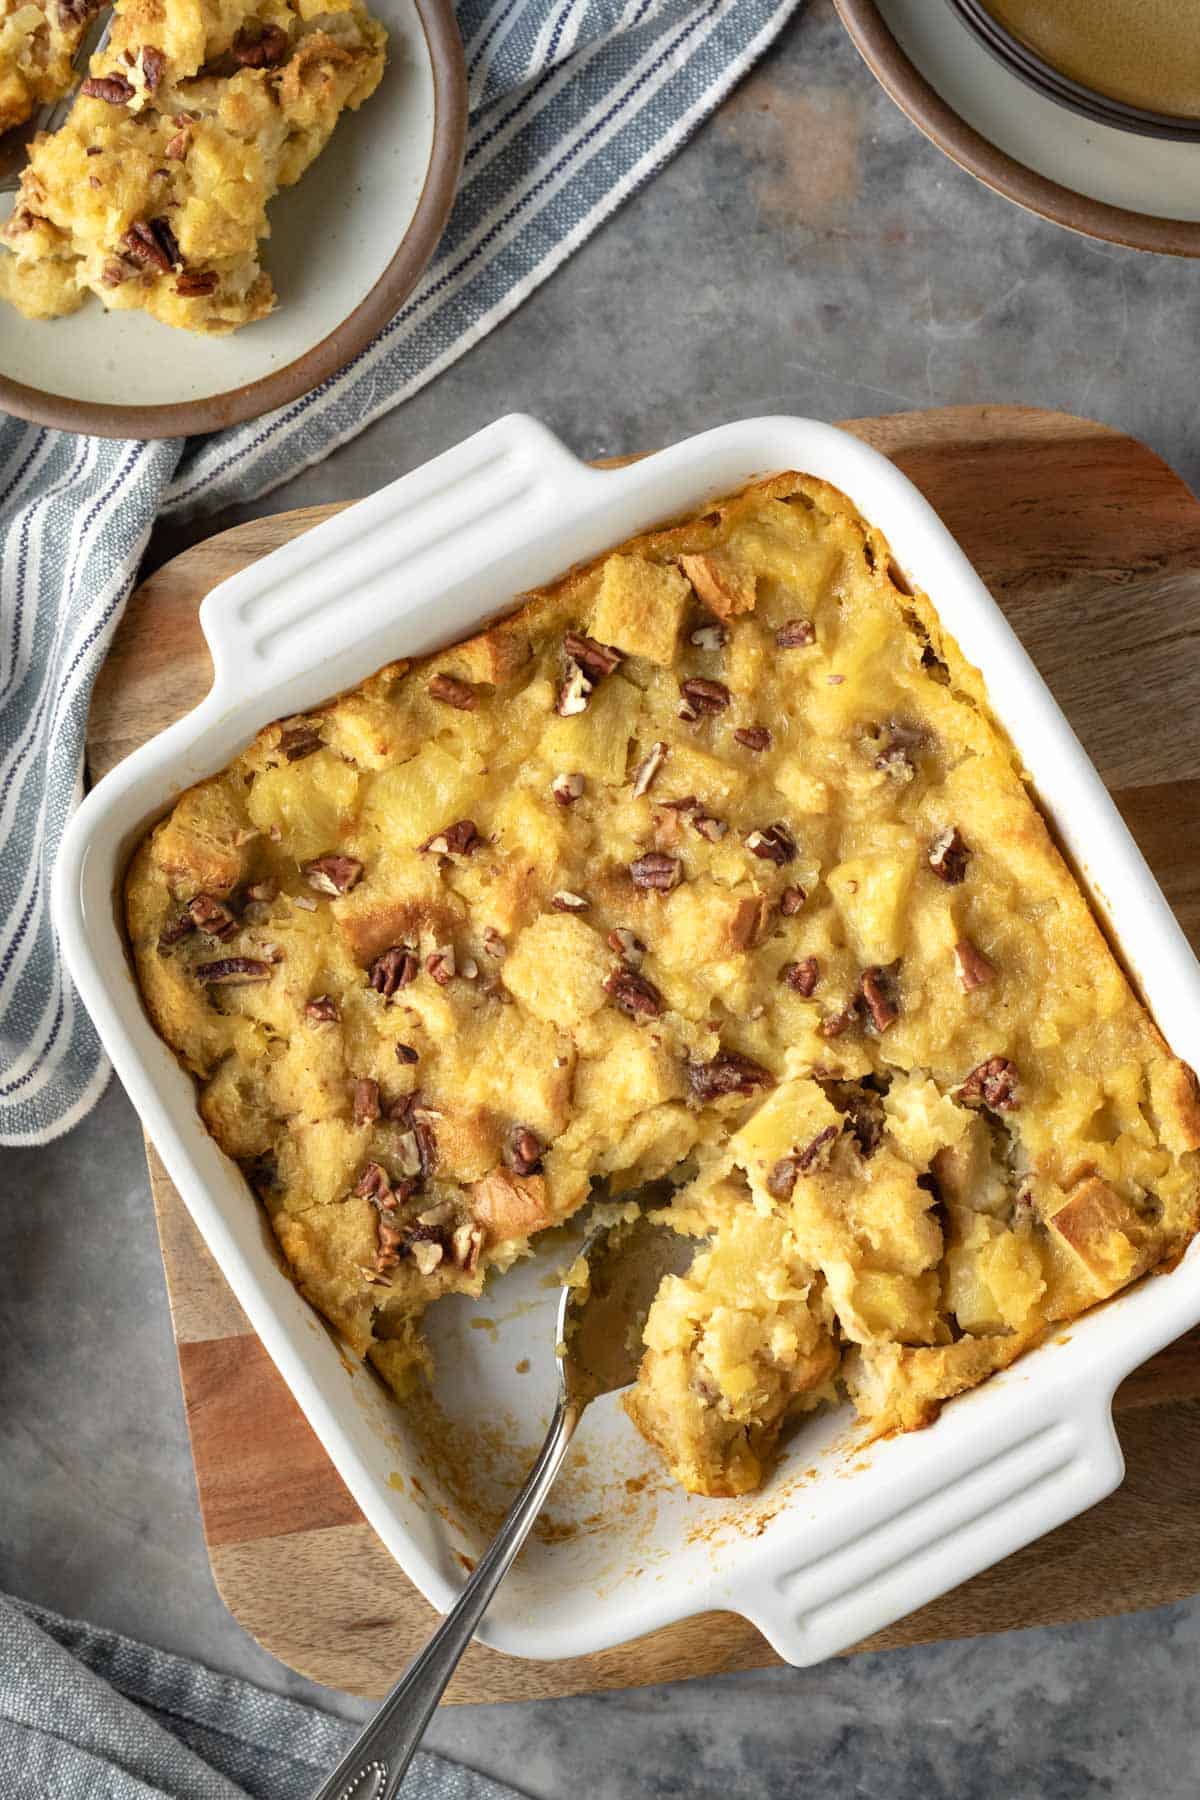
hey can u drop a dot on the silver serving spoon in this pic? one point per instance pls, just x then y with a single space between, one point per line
598 1343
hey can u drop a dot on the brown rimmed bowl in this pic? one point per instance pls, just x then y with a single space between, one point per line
1096 179
348 245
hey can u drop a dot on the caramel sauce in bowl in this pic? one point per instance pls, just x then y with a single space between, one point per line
1133 64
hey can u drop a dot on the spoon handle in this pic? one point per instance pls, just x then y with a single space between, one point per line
374 1766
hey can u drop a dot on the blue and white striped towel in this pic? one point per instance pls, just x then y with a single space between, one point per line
575 103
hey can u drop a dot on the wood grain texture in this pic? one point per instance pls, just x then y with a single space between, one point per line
1092 546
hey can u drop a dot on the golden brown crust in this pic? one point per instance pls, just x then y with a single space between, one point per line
710 863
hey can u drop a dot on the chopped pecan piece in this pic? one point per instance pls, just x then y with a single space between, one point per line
648 768
177 147
817 1154
709 636
878 990
974 969
440 964
332 874
567 789
781 1179
595 659
113 88
754 737
494 944
298 741
523 1152
427 1253
949 856
323 1010
628 946
192 284
176 929
897 756
834 1024
466 1243
374 1183
802 975
992 1084
727 1073
565 901
453 692
394 969
408 1152
406 1054
791 900
154 66
797 634
708 826
262 49
390 1240
632 994
426 1140
114 272
656 870
775 844
232 971
459 839
700 696
263 891
152 243
573 694
366 1101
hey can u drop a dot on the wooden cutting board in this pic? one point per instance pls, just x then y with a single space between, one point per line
1092 546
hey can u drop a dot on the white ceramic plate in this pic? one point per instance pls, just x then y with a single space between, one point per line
841 1541
334 240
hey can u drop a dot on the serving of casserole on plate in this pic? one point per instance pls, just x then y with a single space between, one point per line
710 864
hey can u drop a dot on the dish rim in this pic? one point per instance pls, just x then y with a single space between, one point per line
1047 1449
249 400
1006 175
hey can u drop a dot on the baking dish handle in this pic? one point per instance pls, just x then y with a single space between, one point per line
317 602
949 1523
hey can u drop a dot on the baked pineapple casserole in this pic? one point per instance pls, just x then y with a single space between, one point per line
707 865
153 194
38 43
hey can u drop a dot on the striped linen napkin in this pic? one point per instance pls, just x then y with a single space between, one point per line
575 103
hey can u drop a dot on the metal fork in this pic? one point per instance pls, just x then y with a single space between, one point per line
15 143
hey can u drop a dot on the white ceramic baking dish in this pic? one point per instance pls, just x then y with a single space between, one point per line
842 1541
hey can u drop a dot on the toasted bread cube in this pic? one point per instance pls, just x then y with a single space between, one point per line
196 846
557 968
640 608
726 586
510 1206
1103 1232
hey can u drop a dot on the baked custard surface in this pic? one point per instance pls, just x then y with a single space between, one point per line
708 865
153 194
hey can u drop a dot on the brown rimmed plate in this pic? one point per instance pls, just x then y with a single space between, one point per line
1095 179
348 245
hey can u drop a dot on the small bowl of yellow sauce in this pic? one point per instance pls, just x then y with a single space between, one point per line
1133 64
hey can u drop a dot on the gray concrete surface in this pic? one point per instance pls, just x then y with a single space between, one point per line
808 251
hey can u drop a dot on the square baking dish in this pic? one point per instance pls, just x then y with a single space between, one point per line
845 1538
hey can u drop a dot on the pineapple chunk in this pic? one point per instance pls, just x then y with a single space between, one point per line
640 608
994 1278
422 796
871 893
312 803
596 741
